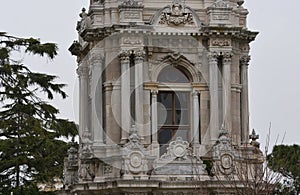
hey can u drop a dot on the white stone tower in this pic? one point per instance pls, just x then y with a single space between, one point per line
163 89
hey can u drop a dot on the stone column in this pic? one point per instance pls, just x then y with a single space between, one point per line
244 62
138 86
125 95
154 124
195 118
96 94
82 72
214 100
154 116
227 91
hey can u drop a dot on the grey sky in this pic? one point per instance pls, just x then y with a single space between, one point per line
274 68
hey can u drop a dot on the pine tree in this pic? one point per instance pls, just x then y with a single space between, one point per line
31 150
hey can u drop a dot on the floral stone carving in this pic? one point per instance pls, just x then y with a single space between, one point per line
134 155
176 14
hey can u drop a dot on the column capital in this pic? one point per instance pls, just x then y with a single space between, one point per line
195 93
244 60
227 56
82 71
125 56
213 56
154 92
139 55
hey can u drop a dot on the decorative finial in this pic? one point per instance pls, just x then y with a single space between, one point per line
83 14
253 136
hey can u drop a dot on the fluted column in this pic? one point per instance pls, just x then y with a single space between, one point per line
96 94
227 91
214 100
154 116
82 72
244 62
125 95
195 118
139 99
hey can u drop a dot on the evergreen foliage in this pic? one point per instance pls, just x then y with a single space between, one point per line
31 148
286 160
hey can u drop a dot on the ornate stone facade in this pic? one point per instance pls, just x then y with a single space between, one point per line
158 80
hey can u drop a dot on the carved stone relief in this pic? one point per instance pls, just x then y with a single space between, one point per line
177 14
224 155
134 155
220 42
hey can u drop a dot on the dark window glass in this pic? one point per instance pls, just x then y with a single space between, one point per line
173 117
171 74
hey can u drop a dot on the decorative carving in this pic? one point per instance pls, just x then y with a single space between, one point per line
132 41
221 4
82 71
87 171
244 60
135 155
227 57
72 155
139 55
107 170
86 147
178 160
85 21
220 17
176 14
224 154
213 57
125 56
131 4
177 150
221 42
253 136
71 166
129 15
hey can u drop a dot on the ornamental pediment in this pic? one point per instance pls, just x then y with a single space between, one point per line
177 14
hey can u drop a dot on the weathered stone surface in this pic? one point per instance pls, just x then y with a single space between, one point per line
126 121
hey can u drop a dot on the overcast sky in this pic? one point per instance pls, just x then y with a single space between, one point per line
274 68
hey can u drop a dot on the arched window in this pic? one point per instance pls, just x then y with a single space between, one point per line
173 106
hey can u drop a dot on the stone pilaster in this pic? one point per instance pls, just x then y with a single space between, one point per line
244 62
82 72
154 123
227 91
214 100
96 95
139 99
195 117
196 122
125 95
